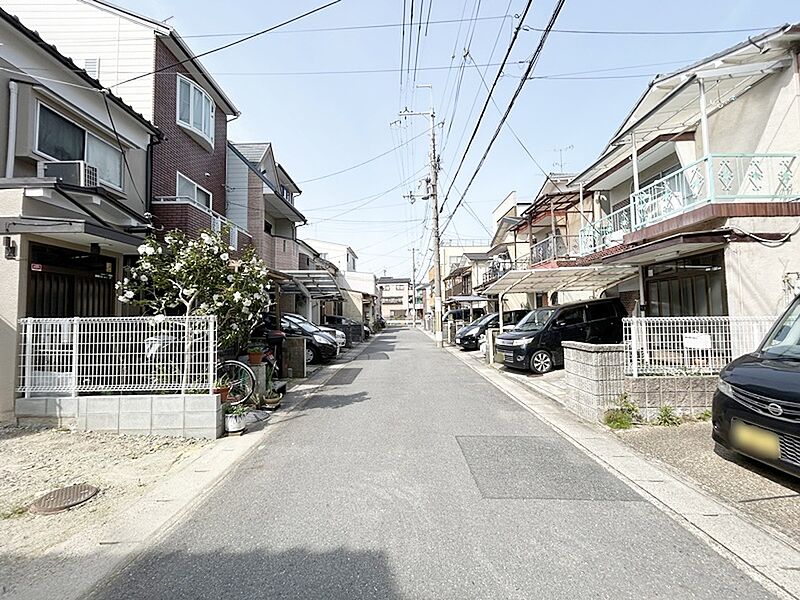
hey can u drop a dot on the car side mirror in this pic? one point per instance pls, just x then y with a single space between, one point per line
560 323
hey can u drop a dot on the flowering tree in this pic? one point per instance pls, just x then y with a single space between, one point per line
188 277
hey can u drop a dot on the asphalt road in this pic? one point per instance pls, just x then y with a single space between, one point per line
411 477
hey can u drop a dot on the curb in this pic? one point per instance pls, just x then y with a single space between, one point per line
765 555
73 568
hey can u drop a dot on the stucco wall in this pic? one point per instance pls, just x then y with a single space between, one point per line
756 274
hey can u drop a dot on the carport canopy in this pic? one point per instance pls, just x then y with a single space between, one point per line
319 284
561 279
466 299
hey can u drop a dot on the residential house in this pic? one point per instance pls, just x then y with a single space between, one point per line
698 188
148 64
359 293
73 190
395 297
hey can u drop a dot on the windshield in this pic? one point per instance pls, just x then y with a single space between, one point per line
784 341
486 319
304 325
534 319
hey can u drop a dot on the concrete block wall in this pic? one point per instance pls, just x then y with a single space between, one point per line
689 395
594 376
190 415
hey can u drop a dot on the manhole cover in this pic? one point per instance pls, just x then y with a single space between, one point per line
63 498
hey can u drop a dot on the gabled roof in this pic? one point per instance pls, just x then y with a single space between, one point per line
253 151
72 67
250 165
288 182
177 44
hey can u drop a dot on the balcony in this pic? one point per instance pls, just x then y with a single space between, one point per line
497 270
555 247
218 222
716 178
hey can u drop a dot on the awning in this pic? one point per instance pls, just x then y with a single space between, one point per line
466 299
318 284
561 279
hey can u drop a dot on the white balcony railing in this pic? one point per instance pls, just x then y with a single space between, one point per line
605 232
714 178
553 247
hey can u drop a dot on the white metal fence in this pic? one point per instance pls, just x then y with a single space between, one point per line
689 345
117 354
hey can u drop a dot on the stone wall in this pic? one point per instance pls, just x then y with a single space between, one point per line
690 395
594 377
190 415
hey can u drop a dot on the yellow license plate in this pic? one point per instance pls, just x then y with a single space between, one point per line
758 442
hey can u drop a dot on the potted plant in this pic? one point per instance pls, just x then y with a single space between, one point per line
235 417
268 401
255 355
222 386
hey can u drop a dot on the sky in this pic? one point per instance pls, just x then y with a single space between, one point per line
292 91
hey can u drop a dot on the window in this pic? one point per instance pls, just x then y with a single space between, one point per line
61 139
571 316
195 108
267 227
186 188
601 310
399 286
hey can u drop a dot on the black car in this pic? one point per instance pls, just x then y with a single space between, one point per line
319 345
471 336
535 344
756 408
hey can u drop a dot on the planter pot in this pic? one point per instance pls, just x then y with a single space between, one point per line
223 394
255 358
235 423
273 403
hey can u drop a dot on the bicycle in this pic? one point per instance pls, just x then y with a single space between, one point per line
237 376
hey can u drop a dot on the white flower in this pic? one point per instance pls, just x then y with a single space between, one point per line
224 256
230 278
177 267
216 297
145 266
125 281
188 291
168 239
231 248
129 294
159 318
160 250
237 296
144 278
142 249
203 306
122 299
206 238
247 301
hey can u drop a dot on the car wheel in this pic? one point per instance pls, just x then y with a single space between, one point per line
312 356
541 362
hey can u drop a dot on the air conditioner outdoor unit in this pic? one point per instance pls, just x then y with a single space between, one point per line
73 172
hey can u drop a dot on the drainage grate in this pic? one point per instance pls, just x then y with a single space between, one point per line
64 498
344 377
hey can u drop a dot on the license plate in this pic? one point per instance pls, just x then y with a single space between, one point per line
756 441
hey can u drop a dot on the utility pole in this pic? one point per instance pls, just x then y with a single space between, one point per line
433 180
413 288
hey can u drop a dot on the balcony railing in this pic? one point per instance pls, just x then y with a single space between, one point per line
553 247
605 232
218 221
497 270
714 178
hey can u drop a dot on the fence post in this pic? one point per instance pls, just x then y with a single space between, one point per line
212 343
634 346
27 327
75 353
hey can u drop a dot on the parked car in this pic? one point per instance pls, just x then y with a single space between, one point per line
340 320
471 336
339 336
756 408
535 344
319 345
462 314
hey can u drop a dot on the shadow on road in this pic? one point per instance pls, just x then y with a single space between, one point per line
334 400
297 573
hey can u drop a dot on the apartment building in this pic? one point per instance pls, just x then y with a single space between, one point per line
395 297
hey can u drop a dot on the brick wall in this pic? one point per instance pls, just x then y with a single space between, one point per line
183 216
287 257
179 151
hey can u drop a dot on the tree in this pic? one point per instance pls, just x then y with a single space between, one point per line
194 277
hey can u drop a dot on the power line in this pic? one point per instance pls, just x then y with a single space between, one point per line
366 162
534 59
233 43
486 104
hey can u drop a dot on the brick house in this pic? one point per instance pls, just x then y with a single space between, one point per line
158 75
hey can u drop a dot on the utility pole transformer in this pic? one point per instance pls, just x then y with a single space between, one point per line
433 197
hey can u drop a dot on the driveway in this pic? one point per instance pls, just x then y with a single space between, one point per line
409 476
